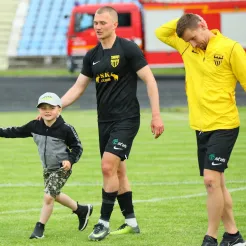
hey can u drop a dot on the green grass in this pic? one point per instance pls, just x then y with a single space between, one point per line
168 193
64 72
35 72
168 71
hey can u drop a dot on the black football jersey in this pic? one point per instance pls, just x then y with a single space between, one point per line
114 71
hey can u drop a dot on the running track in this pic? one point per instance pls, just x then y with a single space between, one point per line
21 94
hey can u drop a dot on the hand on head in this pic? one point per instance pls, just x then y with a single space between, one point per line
203 22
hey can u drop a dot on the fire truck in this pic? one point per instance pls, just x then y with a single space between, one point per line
137 22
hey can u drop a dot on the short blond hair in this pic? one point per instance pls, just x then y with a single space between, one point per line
110 10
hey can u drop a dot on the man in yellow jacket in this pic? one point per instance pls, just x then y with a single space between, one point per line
213 65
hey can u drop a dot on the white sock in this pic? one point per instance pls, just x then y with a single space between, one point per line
131 222
104 222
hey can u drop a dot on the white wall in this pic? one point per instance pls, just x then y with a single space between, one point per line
233 26
154 19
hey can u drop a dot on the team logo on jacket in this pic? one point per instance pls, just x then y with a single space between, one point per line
218 59
115 60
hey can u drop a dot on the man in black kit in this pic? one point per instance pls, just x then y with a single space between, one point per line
115 64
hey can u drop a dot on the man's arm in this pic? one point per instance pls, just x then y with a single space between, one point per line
147 76
139 64
81 84
76 90
238 64
167 34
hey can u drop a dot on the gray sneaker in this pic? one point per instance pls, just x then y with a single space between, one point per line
38 232
99 232
232 240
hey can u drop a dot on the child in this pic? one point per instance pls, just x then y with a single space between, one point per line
59 148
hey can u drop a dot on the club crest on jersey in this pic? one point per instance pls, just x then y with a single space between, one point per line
115 60
218 59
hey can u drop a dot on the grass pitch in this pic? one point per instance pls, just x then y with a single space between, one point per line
47 72
169 194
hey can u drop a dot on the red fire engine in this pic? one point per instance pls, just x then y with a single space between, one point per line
137 22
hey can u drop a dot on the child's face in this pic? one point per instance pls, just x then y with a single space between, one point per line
49 112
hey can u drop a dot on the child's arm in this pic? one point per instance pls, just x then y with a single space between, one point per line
17 132
74 145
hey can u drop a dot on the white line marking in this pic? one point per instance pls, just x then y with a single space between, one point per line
182 197
152 200
74 184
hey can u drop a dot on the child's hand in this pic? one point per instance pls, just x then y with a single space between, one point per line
66 165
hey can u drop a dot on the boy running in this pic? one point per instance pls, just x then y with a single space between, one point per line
59 148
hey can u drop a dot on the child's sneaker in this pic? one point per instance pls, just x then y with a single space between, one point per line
229 240
209 241
38 232
83 212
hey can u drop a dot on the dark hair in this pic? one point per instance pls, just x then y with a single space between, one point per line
186 21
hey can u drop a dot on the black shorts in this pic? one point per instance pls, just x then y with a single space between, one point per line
214 148
117 137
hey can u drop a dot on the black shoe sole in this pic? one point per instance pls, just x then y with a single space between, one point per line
35 237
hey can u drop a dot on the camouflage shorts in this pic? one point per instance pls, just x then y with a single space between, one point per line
55 180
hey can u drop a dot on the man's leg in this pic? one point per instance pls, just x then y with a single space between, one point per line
110 164
124 185
218 148
115 145
202 140
215 201
227 215
231 236
125 202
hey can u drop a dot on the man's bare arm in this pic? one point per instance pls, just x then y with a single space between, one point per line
76 90
147 76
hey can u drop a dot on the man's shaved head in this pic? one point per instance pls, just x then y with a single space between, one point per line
113 13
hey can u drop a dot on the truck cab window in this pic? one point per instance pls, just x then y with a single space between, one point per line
124 19
84 21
